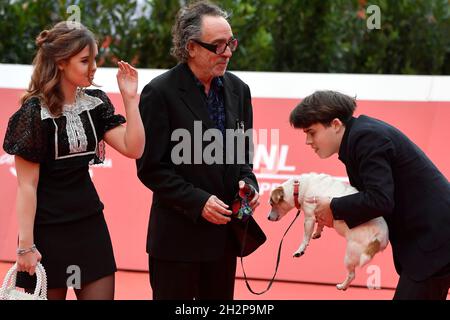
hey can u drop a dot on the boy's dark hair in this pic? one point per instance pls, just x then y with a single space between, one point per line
322 107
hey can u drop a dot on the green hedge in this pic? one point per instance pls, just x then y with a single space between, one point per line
274 35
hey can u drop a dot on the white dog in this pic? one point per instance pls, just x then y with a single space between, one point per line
363 241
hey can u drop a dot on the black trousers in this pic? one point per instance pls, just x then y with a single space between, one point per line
175 280
433 288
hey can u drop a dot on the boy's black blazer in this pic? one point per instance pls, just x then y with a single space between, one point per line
398 181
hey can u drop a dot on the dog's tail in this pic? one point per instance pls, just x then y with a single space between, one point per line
370 251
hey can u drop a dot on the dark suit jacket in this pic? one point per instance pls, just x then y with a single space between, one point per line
177 231
396 180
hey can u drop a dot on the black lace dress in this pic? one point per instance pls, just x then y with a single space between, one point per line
69 228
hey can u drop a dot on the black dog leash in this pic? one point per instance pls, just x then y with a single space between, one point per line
278 258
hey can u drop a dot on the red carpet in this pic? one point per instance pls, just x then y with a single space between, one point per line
135 286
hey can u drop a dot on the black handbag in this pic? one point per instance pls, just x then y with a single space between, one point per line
247 236
246 233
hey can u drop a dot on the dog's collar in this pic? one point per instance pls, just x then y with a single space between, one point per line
296 189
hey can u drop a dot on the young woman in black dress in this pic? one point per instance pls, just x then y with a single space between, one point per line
55 135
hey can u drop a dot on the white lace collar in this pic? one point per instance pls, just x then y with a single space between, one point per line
82 103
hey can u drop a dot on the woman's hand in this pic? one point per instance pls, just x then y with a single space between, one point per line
28 261
129 140
127 79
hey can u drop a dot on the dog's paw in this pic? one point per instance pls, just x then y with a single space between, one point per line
316 235
298 254
341 287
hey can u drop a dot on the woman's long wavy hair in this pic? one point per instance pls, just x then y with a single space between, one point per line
59 44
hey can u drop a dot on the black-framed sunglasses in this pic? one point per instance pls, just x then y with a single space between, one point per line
219 48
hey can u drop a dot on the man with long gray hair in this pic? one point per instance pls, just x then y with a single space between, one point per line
191 251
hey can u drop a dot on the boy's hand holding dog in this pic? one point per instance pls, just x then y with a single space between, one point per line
323 212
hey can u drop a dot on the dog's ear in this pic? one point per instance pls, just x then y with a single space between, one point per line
277 194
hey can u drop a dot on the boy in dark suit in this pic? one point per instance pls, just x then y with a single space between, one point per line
191 255
395 180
